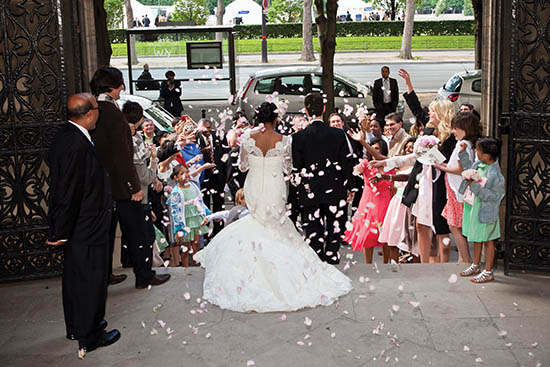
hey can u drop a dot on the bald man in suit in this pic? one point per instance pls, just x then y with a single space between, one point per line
79 216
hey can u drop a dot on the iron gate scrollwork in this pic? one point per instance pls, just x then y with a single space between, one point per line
32 106
528 176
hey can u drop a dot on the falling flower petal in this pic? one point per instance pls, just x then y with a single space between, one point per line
283 317
154 331
208 335
395 308
300 343
414 304
479 360
501 315
250 363
161 323
453 278
308 322
502 333
333 335
466 348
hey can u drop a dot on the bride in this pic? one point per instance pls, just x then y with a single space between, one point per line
260 262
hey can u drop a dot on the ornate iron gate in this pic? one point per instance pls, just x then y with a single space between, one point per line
32 104
528 124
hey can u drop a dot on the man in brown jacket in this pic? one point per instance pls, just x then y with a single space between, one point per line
113 141
399 136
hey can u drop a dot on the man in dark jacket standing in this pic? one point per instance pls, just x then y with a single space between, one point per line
79 216
115 148
322 168
170 91
385 95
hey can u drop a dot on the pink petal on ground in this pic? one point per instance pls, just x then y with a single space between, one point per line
453 278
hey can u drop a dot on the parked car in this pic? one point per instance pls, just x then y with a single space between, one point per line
462 88
152 111
293 83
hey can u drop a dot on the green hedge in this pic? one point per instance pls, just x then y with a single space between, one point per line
343 29
380 28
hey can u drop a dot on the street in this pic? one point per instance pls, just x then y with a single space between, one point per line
426 77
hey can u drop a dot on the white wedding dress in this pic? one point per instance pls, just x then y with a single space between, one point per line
260 262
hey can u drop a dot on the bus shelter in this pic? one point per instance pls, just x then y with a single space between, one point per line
200 54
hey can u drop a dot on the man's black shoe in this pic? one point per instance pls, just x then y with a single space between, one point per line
106 339
115 279
331 261
155 280
102 326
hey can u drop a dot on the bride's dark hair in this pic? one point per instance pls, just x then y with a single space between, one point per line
267 112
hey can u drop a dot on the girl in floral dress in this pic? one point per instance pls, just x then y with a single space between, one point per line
466 128
365 226
188 214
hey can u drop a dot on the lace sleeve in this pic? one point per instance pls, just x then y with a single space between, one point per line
401 161
287 155
243 153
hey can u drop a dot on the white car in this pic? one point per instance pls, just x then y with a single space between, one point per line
462 88
294 83
161 118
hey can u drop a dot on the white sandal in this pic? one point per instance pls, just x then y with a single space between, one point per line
484 277
471 270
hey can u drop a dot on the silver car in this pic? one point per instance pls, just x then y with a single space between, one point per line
462 88
161 118
293 83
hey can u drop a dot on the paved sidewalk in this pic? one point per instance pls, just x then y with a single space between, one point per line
453 324
340 58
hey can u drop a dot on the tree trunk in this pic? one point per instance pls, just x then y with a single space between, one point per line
220 9
307 33
406 52
326 26
478 16
103 45
392 15
130 24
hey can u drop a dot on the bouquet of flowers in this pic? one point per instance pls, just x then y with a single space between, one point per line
470 174
424 143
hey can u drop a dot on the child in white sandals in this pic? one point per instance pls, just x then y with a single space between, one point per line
483 190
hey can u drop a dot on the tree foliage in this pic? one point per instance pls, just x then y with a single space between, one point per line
190 10
213 4
156 2
468 8
285 11
115 13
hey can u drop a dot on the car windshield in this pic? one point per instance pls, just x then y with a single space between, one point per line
453 84
161 117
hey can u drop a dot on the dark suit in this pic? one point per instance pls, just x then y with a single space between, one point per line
172 102
322 161
80 212
383 109
146 81
235 177
214 179
115 149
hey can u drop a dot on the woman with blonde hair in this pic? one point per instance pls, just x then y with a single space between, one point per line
425 181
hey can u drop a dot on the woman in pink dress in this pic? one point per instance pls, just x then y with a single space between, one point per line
363 233
394 229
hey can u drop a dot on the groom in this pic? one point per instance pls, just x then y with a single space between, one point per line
323 173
